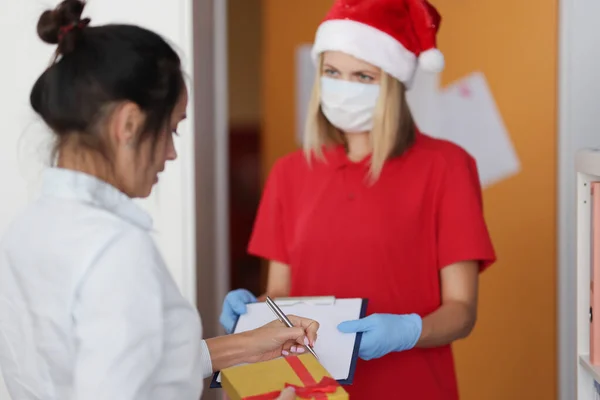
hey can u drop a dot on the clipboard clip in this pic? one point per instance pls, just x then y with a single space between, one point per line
313 301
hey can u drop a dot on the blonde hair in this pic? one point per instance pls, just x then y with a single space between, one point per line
393 126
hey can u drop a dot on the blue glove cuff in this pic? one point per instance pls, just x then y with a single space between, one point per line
413 326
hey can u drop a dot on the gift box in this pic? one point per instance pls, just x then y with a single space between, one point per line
265 380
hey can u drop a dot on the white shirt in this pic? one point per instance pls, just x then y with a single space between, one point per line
88 309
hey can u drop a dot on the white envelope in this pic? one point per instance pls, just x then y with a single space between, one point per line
470 118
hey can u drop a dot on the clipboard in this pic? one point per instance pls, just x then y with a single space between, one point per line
333 312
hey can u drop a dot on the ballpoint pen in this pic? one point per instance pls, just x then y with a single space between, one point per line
283 318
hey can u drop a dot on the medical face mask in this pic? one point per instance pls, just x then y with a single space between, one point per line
349 106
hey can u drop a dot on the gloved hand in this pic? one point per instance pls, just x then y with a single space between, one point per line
234 305
384 333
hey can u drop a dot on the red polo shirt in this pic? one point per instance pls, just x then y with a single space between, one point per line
385 242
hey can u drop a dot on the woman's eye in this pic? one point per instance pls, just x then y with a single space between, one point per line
365 78
330 72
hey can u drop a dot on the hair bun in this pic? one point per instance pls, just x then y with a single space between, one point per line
54 22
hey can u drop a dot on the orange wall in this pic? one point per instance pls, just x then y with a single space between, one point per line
244 59
511 353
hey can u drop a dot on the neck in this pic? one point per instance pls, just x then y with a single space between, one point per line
76 158
359 145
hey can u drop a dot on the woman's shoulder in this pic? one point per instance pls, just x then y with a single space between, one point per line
290 165
294 159
299 163
73 231
442 151
291 173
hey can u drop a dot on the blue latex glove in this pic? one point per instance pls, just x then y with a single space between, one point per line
234 305
384 333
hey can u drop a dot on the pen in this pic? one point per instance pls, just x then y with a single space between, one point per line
283 318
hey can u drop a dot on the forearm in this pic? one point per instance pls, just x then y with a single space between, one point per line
229 350
272 294
450 322
279 281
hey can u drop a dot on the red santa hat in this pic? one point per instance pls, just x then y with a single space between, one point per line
395 35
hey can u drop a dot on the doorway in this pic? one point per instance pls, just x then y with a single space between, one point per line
244 80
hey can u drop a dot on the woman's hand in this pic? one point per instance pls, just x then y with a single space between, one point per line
262 344
275 339
287 394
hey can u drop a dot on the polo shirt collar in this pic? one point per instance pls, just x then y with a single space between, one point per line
337 156
74 185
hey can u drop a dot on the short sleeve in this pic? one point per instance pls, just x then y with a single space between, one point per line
118 321
462 234
268 235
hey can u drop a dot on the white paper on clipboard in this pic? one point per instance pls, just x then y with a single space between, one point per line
334 348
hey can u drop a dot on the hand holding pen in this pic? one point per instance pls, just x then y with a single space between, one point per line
283 318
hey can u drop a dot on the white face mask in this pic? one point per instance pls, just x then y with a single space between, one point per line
349 106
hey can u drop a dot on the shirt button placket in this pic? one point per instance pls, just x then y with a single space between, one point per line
353 180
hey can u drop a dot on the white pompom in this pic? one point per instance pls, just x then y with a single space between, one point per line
431 60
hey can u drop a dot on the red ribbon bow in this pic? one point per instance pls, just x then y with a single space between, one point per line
311 389
326 385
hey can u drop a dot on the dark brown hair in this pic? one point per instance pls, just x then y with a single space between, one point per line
98 67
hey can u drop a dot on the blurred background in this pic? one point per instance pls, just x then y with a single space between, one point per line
540 60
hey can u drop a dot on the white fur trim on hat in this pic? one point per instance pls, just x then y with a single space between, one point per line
431 60
368 44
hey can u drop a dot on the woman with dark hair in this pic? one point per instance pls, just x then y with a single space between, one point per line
88 309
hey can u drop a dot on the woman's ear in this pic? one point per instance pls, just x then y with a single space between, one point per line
126 124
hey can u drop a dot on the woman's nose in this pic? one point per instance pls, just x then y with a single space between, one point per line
171 151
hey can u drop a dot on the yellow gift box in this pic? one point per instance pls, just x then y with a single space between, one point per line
265 380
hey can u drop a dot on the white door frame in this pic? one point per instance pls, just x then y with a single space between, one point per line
211 154
565 275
